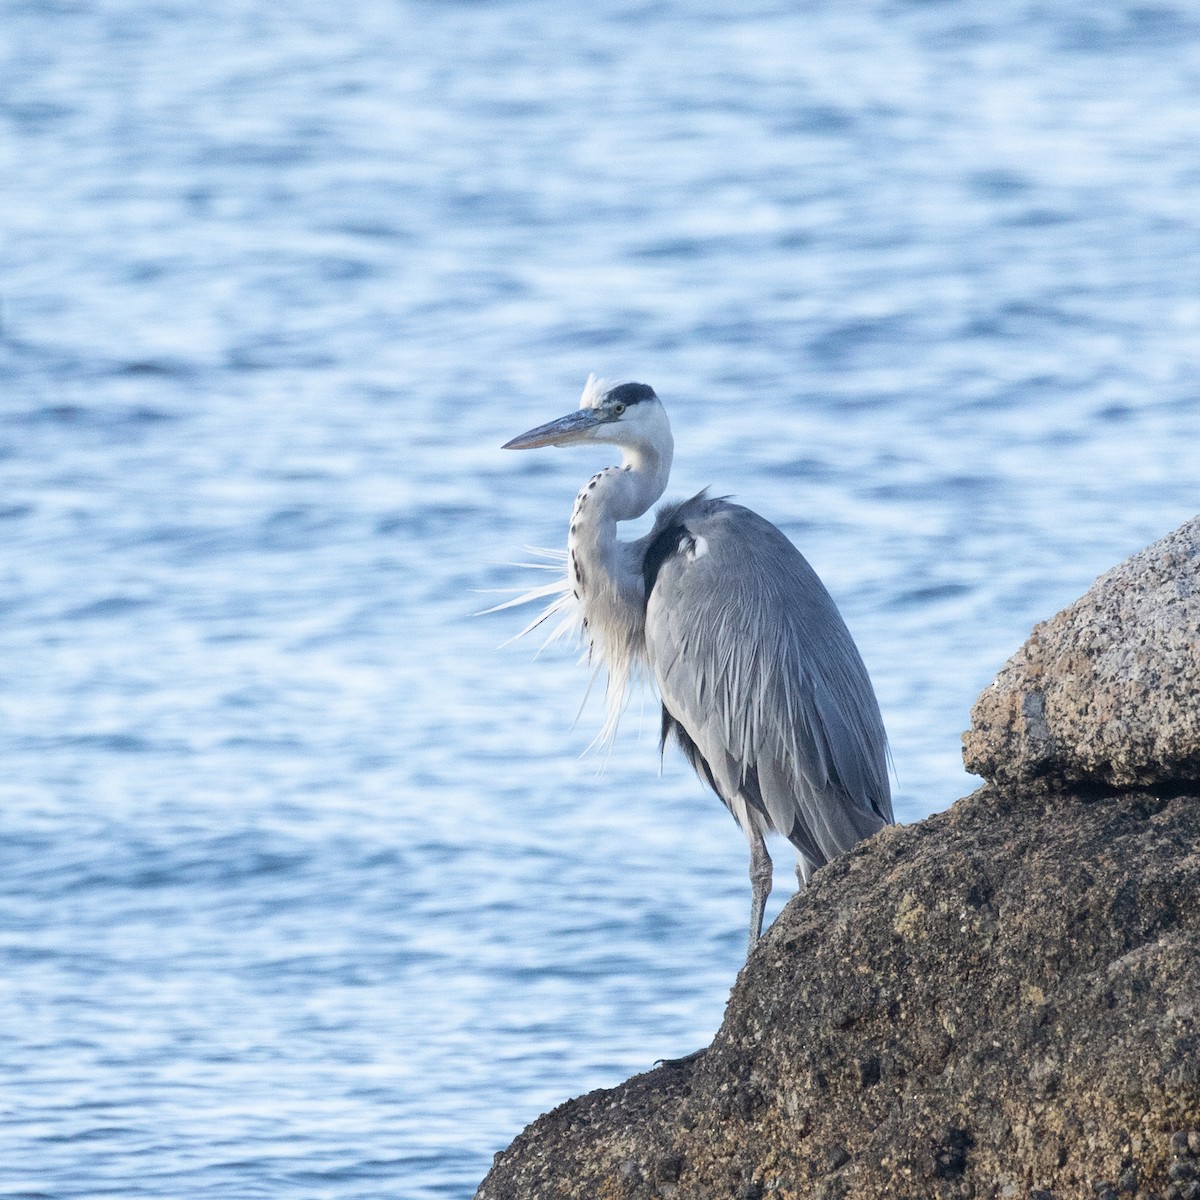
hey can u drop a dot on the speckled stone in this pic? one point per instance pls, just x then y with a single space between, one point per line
1108 691
1025 970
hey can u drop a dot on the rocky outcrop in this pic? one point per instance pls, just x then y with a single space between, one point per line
1002 1000
1107 691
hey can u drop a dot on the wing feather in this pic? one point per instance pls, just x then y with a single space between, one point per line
755 664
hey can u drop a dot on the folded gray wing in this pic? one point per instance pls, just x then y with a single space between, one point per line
754 662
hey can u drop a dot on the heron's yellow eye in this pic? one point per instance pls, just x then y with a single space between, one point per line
618 409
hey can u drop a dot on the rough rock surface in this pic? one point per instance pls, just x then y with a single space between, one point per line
1106 691
1002 1000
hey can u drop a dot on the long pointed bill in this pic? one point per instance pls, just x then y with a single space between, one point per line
572 428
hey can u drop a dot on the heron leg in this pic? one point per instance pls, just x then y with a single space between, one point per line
804 869
760 883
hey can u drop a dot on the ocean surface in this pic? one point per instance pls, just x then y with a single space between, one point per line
308 888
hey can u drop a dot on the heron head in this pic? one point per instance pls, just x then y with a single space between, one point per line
626 415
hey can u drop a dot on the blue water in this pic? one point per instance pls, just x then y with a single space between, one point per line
305 887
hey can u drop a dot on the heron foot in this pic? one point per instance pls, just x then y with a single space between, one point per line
682 1062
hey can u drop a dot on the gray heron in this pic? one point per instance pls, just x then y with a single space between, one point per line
761 683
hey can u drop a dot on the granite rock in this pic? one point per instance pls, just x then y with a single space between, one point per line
1002 999
1106 692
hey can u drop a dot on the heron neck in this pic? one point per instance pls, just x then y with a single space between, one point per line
616 494
645 470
